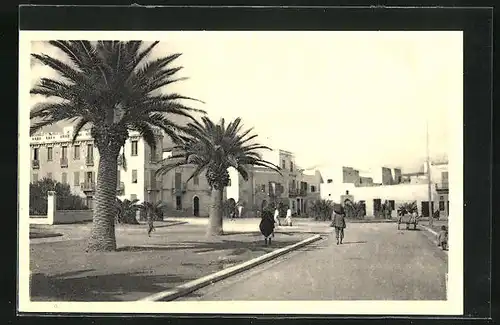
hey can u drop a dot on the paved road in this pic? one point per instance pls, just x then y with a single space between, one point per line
376 262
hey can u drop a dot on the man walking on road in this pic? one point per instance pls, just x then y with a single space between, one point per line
339 224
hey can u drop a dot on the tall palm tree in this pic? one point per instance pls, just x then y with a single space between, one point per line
214 148
114 88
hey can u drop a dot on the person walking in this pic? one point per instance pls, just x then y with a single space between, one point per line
339 224
151 226
442 238
288 219
277 216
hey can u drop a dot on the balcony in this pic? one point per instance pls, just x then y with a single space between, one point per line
295 192
120 188
89 161
64 162
88 187
35 164
442 186
179 189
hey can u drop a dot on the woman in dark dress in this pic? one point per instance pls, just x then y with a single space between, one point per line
266 226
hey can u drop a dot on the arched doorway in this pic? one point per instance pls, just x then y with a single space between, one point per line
196 206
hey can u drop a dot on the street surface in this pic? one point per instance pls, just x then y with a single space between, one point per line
376 262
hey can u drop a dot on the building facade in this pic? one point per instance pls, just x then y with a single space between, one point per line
54 156
295 187
395 190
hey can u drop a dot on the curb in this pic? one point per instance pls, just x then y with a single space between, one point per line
434 233
194 285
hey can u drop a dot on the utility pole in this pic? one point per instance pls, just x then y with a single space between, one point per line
429 189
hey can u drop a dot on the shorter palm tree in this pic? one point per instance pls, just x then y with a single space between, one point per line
152 210
126 211
213 149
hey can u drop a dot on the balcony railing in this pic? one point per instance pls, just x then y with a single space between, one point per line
179 189
64 162
442 186
35 164
89 161
120 188
88 186
294 192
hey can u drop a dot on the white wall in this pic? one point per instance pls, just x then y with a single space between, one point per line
233 190
399 193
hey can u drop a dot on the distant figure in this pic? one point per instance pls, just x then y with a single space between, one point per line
240 208
288 219
277 217
266 226
151 226
443 238
339 224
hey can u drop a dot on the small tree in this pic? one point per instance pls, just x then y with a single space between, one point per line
65 200
126 211
407 208
322 209
153 210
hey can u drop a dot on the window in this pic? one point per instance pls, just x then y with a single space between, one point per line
441 205
76 177
35 178
313 188
64 152
293 184
64 178
153 154
196 180
76 152
291 166
35 153
134 176
329 181
178 203
263 187
49 175
283 164
178 180
134 148
392 204
49 153
89 177
90 152
444 177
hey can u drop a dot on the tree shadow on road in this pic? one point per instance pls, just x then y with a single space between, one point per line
72 287
237 247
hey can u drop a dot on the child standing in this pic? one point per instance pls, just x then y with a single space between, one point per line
443 238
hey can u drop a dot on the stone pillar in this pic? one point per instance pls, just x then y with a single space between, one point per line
51 206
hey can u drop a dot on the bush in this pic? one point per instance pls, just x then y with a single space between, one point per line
65 199
321 209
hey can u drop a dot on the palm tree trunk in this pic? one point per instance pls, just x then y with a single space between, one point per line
102 236
215 214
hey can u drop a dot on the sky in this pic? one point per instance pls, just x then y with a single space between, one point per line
359 99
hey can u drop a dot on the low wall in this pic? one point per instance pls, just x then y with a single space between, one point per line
72 216
40 220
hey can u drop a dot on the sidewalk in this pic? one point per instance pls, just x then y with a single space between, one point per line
143 265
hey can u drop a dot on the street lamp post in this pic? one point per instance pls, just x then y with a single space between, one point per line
429 189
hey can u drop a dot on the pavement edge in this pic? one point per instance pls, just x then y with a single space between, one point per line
194 285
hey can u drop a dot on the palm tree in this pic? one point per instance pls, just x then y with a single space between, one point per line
214 148
153 210
126 211
111 86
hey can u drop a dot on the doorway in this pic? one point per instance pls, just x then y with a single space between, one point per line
196 206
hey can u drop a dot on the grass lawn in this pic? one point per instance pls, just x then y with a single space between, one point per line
143 265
